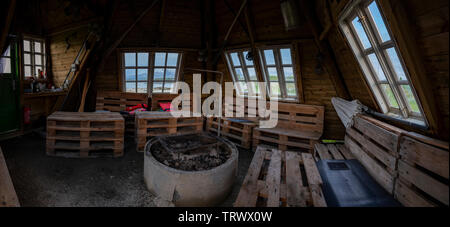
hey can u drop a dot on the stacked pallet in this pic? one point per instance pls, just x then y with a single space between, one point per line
85 134
299 128
281 179
151 124
423 171
238 124
116 101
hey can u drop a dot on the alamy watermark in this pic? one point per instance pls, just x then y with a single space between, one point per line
220 104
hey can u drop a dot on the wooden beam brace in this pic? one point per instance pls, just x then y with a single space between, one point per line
7 24
324 48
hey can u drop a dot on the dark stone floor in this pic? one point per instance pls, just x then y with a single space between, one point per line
45 181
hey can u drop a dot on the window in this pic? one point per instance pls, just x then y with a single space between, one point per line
33 57
243 73
372 42
5 61
278 69
161 67
165 72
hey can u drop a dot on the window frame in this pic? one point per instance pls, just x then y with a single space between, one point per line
379 48
150 67
4 56
243 65
32 52
280 71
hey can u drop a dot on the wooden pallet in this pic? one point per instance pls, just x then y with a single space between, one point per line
85 135
8 196
299 128
239 133
116 101
151 124
376 148
281 179
423 174
332 152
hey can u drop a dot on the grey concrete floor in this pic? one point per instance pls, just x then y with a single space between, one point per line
42 181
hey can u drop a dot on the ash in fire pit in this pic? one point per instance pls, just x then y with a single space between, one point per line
191 152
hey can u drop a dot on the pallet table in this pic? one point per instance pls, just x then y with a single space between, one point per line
151 124
85 135
281 179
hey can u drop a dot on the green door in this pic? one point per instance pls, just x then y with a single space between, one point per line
10 114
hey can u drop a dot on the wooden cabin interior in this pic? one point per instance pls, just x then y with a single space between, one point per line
88 92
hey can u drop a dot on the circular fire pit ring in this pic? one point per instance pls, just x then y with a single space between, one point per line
190 185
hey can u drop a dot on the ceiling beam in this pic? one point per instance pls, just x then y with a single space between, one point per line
8 19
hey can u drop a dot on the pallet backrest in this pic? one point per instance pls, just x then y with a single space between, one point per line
423 173
116 101
300 117
376 148
242 108
168 98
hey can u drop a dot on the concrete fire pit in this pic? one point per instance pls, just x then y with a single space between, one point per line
196 170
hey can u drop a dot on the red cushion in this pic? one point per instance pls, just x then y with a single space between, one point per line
167 107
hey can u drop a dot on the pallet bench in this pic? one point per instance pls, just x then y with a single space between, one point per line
116 101
299 128
151 124
85 135
237 129
332 152
281 179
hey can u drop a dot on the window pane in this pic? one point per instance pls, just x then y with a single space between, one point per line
289 74
130 74
130 59
239 74
377 67
379 22
275 89
243 86
7 52
286 57
361 33
389 95
37 47
291 89
37 59
247 62
168 87
170 74
410 98
160 59
142 59
273 74
26 45
270 59
172 59
27 59
27 71
398 67
5 65
142 74
255 87
131 87
158 74
157 87
252 74
37 69
142 87
235 59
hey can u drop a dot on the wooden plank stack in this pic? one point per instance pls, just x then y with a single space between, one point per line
332 152
85 135
151 124
8 196
423 173
299 128
116 101
281 179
